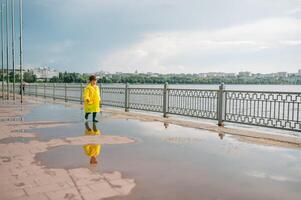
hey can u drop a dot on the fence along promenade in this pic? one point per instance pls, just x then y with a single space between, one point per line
280 110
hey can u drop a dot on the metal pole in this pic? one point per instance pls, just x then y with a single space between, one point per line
7 56
100 94
2 47
126 98
53 94
21 46
13 45
81 93
220 105
36 90
165 100
44 90
65 92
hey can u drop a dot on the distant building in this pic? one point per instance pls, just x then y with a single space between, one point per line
151 74
292 74
299 72
203 75
270 75
258 75
244 74
216 74
282 74
43 73
101 74
230 74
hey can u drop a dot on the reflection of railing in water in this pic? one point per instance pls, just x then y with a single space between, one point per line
268 109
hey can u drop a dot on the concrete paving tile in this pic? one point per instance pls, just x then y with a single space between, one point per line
112 176
42 189
84 189
14 194
69 194
90 196
103 190
33 197
124 186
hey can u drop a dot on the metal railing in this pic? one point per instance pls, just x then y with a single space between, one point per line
192 102
267 109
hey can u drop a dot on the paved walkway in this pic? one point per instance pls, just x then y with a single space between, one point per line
249 157
23 178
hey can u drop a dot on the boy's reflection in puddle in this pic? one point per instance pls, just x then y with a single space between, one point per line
92 150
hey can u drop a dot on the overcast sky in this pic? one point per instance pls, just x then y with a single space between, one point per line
165 36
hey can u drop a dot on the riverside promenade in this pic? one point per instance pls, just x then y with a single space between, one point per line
47 148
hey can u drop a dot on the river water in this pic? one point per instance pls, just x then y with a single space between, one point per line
283 88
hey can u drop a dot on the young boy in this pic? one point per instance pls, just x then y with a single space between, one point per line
92 98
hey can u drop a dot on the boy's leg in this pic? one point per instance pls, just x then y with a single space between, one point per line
94 117
87 115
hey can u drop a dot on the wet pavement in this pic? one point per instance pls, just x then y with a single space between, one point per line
183 163
23 178
169 161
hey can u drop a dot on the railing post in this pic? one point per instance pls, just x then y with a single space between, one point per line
28 89
2 86
65 92
8 88
100 94
126 100
44 90
165 93
53 92
36 89
81 94
221 105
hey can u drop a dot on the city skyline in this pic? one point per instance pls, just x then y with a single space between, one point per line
49 72
51 68
163 36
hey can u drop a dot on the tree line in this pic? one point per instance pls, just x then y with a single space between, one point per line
195 79
66 77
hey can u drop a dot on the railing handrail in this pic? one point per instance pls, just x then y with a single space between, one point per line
263 91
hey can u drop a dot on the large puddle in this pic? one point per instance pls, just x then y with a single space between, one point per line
173 162
57 112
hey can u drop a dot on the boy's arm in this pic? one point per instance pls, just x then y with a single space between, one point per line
99 94
86 95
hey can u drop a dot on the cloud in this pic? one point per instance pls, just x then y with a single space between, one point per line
293 11
291 42
62 46
183 50
163 35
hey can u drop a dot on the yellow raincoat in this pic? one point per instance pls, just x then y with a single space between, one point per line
91 99
92 150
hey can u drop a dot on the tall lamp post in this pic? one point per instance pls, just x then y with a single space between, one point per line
2 47
13 45
7 56
21 46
